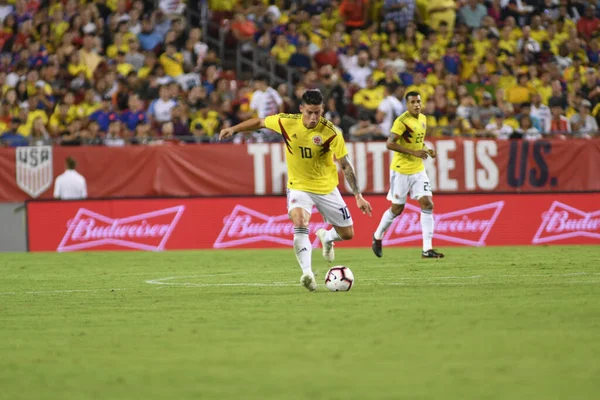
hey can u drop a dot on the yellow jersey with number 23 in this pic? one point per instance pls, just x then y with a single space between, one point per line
309 152
412 134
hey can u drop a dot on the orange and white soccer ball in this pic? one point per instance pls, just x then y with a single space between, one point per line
339 279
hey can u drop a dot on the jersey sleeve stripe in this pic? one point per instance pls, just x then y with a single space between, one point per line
290 116
329 125
407 134
286 137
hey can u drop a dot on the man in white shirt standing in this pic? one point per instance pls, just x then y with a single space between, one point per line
160 109
358 67
266 101
389 109
541 112
70 185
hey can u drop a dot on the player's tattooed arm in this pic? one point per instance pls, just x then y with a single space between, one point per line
350 175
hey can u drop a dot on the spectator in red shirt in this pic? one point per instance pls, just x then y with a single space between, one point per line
589 23
243 29
559 126
327 55
354 13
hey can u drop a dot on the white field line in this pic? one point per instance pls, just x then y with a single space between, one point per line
460 281
430 278
62 291
203 275
161 281
468 280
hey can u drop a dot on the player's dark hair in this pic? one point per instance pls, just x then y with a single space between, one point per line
71 163
411 94
261 78
391 87
312 97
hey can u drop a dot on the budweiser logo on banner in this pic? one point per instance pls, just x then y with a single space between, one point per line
148 231
562 221
245 225
469 226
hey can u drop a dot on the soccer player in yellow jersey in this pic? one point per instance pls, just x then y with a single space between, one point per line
311 142
408 174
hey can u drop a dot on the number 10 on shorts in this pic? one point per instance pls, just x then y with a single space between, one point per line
345 213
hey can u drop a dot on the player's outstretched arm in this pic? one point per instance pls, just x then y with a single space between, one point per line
246 126
394 146
350 175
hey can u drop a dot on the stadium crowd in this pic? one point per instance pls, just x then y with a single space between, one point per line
114 72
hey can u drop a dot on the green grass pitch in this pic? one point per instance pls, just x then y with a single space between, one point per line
483 323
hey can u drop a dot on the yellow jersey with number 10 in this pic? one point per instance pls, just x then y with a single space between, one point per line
309 152
412 134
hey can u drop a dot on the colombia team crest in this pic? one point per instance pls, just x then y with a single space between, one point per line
317 140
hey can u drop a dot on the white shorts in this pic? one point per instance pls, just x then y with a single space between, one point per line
401 185
332 206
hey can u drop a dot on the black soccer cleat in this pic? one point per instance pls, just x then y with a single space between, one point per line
431 254
377 248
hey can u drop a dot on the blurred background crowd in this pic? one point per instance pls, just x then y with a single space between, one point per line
119 72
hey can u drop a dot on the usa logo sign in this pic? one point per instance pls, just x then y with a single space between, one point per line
34 169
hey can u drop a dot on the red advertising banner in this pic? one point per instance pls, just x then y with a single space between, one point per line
262 222
462 166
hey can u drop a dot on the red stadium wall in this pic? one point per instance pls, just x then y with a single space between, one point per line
261 222
462 166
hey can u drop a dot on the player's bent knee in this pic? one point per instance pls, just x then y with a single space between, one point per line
426 204
346 233
397 209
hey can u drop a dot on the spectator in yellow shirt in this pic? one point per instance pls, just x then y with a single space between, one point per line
507 43
433 130
575 68
543 86
74 111
172 61
451 124
149 64
208 119
555 38
469 64
59 25
317 33
90 58
119 45
330 18
123 68
59 120
521 92
441 10
369 97
32 115
419 85
282 51
90 103
76 66
538 33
